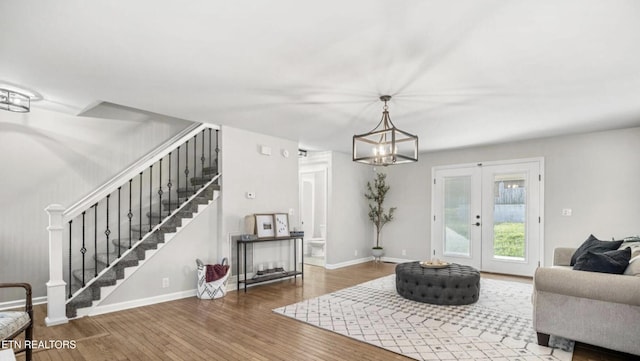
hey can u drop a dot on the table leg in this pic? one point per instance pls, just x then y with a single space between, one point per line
238 266
302 255
245 267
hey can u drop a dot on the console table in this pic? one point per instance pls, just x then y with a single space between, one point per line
269 277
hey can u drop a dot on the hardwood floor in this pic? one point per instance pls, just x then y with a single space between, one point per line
237 327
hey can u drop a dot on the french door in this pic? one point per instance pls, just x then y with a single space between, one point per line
488 215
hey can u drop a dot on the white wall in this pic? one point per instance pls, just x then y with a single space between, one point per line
594 174
49 157
349 229
176 260
274 180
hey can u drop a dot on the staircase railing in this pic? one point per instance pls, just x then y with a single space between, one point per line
124 211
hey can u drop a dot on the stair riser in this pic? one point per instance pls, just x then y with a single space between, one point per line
95 291
187 192
122 264
141 249
197 182
168 227
201 200
182 194
101 282
155 219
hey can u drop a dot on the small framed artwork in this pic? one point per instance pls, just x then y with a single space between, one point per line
282 224
265 227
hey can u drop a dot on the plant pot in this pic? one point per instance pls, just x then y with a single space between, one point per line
377 252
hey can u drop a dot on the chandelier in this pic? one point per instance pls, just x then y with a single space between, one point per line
13 101
385 144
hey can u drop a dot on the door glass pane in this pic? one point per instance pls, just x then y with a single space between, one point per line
457 217
509 191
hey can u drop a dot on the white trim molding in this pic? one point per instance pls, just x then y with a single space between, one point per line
8 305
348 263
99 310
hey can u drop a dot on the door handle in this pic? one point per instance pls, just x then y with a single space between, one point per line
476 224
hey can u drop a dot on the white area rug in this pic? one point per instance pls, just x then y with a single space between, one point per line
497 327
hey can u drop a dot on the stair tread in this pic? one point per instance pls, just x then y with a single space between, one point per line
177 202
174 200
134 241
145 227
166 213
89 274
113 256
191 188
83 298
124 242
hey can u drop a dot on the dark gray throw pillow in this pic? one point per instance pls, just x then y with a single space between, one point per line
594 245
607 262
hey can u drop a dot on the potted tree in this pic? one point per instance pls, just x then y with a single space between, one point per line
376 194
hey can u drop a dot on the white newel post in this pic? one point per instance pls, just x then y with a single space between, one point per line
56 298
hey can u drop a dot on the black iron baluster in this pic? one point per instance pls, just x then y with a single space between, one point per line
107 232
178 177
160 194
119 255
140 227
150 195
202 158
217 156
169 185
83 250
130 214
209 148
70 222
95 238
195 167
186 169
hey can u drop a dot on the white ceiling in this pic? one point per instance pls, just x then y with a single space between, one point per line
461 73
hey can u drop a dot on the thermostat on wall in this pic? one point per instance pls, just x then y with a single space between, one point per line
265 150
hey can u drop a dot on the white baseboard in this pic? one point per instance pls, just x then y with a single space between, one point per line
102 309
395 260
348 263
20 303
54 322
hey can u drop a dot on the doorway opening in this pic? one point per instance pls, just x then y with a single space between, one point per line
313 183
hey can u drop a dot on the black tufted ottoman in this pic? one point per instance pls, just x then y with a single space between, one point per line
452 285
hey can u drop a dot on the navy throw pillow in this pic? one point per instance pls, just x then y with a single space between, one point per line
607 262
594 245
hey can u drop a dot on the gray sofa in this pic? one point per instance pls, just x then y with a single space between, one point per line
596 308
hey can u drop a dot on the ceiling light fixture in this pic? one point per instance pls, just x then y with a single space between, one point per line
385 144
14 101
